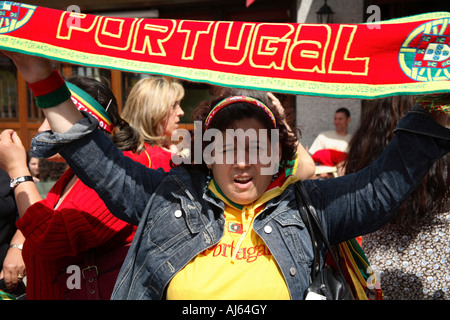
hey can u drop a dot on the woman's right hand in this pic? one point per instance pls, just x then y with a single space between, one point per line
32 68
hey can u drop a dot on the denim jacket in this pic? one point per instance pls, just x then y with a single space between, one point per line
177 219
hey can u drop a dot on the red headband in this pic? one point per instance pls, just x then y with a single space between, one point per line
236 99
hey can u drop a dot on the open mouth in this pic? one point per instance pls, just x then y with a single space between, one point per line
242 180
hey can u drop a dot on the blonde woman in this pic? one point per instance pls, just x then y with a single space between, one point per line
153 107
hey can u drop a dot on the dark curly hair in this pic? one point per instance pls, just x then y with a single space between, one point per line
378 120
226 117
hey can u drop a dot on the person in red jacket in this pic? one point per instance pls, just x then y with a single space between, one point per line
72 221
153 108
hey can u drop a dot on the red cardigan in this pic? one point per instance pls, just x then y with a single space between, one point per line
153 156
56 238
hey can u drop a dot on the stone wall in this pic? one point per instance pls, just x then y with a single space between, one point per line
316 114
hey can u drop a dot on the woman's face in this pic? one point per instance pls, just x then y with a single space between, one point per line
33 165
242 180
173 119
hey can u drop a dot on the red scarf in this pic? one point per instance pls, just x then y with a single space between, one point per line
402 56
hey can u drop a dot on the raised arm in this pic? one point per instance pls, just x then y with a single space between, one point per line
306 166
123 184
360 203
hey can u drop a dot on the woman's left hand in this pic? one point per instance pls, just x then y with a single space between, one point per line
13 268
276 103
13 158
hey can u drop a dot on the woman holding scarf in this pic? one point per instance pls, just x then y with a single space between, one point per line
186 215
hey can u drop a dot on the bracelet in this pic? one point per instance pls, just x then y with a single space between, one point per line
18 246
50 91
51 83
16 181
54 98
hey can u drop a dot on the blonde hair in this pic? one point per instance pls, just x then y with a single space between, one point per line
149 104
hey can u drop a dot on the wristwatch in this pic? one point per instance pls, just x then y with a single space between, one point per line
16 181
18 246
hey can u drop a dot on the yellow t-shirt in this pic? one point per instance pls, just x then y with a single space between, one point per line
231 271
240 266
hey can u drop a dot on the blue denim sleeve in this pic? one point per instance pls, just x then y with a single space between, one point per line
123 184
363 202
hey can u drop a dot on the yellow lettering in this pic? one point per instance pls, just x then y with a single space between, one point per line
115 33
193 30
270 45
230 44
85 24
308 52
341 62
151 37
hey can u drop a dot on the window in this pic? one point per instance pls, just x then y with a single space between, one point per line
195 93
128 81
99 74
8 89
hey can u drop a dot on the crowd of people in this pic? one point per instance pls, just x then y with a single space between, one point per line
212 230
